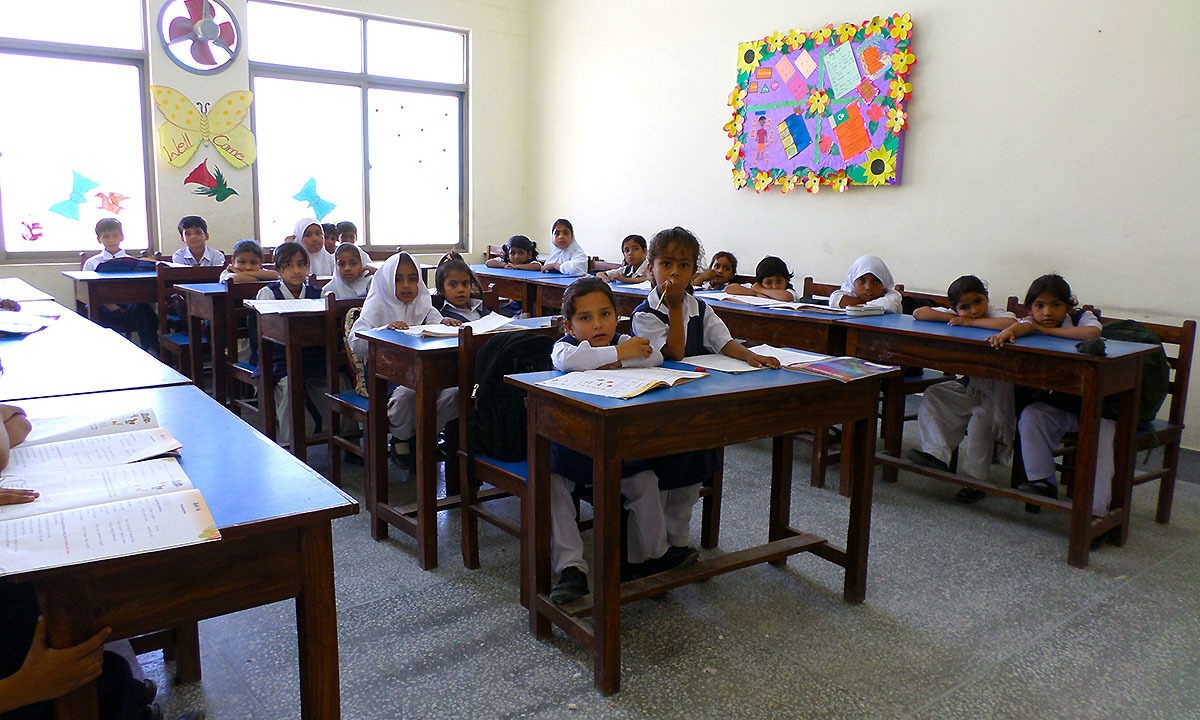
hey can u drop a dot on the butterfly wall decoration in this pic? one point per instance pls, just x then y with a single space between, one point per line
221 124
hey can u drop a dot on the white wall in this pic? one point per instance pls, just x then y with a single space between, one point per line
1044 136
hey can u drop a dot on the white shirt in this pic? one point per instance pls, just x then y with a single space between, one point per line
891 302
568 357
649 326
993 312
469 313
212 258
265 293
321 263
91 263
1087 319
341 289
572 260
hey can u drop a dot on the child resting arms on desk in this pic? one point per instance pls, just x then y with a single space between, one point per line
868 282
772 279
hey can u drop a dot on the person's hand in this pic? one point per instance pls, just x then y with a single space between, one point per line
634 348
7 304
509 266
758 361
451 322
672 292
398 325
48 673
959 320
550 267
368 270
17 426
1004 336
17 496
603 275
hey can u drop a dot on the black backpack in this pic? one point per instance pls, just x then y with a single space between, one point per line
496 423
1156 373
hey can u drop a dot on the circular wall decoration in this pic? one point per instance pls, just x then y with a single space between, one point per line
200 36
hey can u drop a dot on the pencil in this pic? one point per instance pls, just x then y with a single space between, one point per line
661 295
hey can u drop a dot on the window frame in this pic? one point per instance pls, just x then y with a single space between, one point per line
138 59
365 81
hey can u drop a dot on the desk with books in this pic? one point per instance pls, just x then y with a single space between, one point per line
17 289
93 289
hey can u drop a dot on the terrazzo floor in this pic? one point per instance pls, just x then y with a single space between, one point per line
971 612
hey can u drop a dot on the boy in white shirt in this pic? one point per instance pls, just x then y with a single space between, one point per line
193 233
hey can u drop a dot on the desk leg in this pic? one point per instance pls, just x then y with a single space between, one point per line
781 490
606 563
219 354
377 461
296 391
1085 478
1124 458
533 300
893 418
195 352
266 395
425 469
68 622
861 451
316 626
535 524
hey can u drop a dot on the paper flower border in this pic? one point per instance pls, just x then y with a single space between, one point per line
882 164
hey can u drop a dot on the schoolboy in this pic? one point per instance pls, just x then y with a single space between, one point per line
137 317
193 233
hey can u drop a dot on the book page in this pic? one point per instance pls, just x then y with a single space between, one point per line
723 363
620 383
844 369
486 324
93 452
80 488
54 429
787 356
270 307
96 532
20 322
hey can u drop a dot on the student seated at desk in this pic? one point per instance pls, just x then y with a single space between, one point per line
246 265
139 317
193 233
590 315
347 232
455 283
772 279
291 262
351 279
974 411
520 253
309 233
1043 422
636 268
329 230
567 257
868 282
718 274
679 325
398 299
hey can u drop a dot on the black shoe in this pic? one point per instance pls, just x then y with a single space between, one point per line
969 495
924 459
402 459
1041 487
674 557
149 691
572 584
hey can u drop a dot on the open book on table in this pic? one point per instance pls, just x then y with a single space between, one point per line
486 324
844 369
22 322
622 382
89 452
271 307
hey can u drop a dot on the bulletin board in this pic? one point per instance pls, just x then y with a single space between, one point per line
822 108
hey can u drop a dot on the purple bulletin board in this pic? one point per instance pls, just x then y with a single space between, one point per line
824 107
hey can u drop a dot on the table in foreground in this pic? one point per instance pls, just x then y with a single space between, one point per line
274 514
718 410
12 288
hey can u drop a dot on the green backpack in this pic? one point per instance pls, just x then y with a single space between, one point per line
1156 373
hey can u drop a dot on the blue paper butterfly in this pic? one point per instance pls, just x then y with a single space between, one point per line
308 194
69 208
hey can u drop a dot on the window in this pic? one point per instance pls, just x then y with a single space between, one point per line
380 92
72 139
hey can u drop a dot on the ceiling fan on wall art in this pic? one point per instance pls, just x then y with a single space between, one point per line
200 36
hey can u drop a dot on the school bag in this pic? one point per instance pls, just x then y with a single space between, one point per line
1156 373
496 423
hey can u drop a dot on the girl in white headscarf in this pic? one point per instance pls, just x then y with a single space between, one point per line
353 276
309 234
868 282
398 299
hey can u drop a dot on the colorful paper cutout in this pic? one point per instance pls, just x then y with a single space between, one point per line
842 70
805 64
221 125
793 133
851 131
867 90
785 69
111 202
32 231
211 185
308 194
69 208
762 73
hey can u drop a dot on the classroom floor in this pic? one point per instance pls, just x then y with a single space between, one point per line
971 612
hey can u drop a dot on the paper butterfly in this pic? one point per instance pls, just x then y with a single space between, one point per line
308 194
69 208
34 231
187 127
111 202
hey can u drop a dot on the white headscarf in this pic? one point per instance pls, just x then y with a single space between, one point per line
872 264
382 306
302 225
341 289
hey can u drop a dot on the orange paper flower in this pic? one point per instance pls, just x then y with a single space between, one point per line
901 26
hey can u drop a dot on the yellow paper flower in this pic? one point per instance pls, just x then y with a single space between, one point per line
820 36
875 26
901 26
901 60
900 90
846 31
838 181
786 183
749 56
812 182
740 177
795 40
737 98
775 41
817 100
733 128
734 152
880 166
896 118
761 181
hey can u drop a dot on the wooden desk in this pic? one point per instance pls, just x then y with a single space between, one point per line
206 304
427 365
513 284
1038 361
274 514
21 291
294 331
721 409
75 356
93 289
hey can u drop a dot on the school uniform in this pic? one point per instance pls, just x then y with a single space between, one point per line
472 312
137 317
381 308
321 262
572 259
571 470
891 302
793 296
641 271
1042 426
211 258
680 475
313 365
976 412
341 289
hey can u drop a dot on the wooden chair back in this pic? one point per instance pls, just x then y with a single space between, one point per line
597 264
494 251
937 300
336 355
1016 307
168 297
813 288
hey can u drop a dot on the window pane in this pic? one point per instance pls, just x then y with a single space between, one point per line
112 23
414 161
303 38
300 138
415 53
56 174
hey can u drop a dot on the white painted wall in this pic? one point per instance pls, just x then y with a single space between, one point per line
1044 136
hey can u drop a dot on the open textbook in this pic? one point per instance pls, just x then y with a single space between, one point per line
838 368
89 452
271 307
486 324
72 427
22 322
620 383
717 361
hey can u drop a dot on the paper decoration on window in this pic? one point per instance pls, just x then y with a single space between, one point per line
111 202
211 185
32 231
69 208
308 194
837 106
220 124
